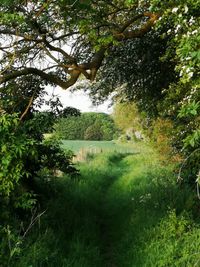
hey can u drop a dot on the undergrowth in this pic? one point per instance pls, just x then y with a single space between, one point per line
124 210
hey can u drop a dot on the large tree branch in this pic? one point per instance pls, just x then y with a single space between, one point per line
95 63
124 34
74 74
73 68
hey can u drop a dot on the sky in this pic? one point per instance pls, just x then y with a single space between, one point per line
78 99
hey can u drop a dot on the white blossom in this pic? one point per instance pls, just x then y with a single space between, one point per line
191 21
177 28
186 8
21 14
169 31
195 31
187 70
175 9
188 34
190 74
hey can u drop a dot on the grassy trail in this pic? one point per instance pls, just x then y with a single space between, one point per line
124 211
123 204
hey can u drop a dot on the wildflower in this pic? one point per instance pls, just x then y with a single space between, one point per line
187 70
177 28
191 21
190 74
186 8
175 9
195 31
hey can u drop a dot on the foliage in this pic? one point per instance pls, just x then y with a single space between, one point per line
159 70
88 126
161 133
26 161
181 100
126 116
37 35
172 48
93 132
15 149
53 157
177 237
133 72
69 111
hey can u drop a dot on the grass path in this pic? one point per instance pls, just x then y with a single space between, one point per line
116 215
114 206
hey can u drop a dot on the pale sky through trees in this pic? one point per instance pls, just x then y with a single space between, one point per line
78 99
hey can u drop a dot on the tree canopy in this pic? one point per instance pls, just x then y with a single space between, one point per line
59 41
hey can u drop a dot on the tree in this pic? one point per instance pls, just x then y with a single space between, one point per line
94 132
69 111
126 116
134 72
181 101
38 35
89 126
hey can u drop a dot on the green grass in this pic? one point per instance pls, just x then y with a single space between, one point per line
107 146
125 210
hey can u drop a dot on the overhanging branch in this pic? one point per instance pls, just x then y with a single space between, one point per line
70 64
74 74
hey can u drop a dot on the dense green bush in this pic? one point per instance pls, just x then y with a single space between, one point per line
15 148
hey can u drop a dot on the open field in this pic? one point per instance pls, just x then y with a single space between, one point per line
98 146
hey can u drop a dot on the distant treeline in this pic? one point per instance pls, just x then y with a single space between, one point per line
86 126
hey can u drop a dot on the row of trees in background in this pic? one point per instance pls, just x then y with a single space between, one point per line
86 126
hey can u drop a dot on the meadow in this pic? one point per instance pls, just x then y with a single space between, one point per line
97 146
123 210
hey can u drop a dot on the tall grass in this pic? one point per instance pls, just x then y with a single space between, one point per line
124 210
